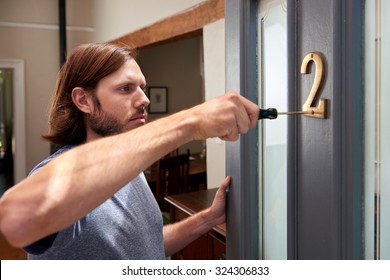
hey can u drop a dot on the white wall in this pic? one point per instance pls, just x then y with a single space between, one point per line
214 72
116 18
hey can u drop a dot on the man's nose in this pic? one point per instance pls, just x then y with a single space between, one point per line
143 100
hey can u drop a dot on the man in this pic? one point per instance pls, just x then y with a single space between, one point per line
90 200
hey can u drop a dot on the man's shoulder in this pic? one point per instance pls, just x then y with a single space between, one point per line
51 157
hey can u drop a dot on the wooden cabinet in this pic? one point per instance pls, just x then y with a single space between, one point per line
217 243
209 246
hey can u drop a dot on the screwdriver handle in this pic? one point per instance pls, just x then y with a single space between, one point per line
270 113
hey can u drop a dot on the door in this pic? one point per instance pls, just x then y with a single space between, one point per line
323 156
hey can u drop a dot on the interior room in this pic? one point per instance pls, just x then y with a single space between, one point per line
312 183
173 60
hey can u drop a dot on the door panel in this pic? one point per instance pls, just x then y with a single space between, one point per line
318 205
326 189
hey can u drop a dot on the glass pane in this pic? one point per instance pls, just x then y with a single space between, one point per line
377 130
385 180
272 55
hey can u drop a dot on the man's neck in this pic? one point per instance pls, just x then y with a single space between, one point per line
91 135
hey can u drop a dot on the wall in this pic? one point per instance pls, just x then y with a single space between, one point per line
214 72
115 18
28 31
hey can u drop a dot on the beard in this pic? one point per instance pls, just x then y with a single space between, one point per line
105 124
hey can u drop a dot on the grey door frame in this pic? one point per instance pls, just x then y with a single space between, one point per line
325 218
242 225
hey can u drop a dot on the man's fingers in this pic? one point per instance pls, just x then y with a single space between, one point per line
225 184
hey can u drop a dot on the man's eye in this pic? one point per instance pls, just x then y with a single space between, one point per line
125 89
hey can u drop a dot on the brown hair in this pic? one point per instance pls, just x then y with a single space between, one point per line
85 67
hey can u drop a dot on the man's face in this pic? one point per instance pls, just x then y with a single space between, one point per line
120 101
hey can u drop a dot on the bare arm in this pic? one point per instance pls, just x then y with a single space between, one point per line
76 182
180 234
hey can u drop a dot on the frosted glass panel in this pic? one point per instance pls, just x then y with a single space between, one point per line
377 130
385 140
272 26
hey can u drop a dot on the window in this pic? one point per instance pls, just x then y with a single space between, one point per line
377 130
272 69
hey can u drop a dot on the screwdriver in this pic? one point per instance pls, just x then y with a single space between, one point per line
272 113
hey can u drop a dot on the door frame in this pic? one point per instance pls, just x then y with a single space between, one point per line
344 186
242 226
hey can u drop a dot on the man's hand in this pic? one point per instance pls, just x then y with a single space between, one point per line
225 117
217 211
180 234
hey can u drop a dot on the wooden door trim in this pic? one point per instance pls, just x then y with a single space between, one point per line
187 24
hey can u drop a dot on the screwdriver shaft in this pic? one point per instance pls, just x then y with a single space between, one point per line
296 113
272 113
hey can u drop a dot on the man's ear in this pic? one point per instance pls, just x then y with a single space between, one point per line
82 99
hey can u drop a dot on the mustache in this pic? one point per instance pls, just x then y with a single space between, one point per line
140 111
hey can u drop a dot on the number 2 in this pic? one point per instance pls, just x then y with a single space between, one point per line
320 110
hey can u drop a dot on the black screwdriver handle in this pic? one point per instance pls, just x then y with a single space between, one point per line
270 113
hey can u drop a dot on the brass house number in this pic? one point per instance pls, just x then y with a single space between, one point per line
321 110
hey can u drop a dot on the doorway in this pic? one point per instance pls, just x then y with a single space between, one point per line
6 132
12 124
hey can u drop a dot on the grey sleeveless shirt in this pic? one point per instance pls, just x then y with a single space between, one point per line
126 226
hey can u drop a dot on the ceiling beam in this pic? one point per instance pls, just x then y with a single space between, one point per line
186 24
